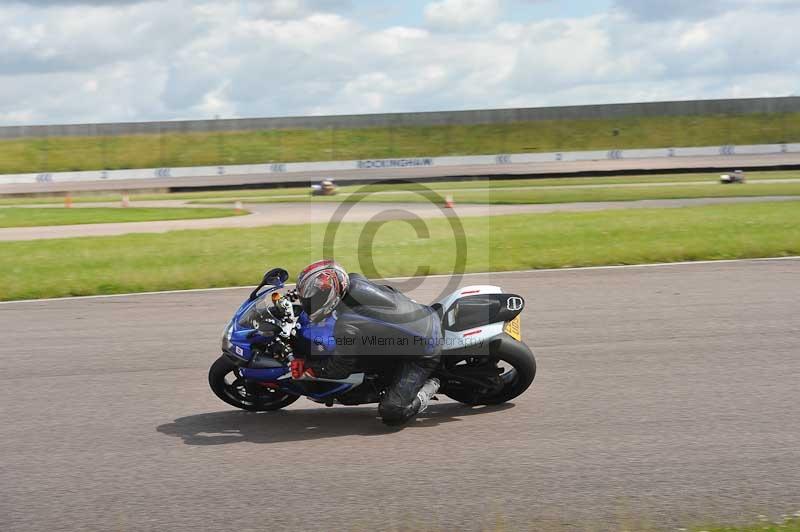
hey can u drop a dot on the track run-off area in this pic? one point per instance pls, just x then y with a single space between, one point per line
666 397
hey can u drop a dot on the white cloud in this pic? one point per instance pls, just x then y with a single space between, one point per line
461 14
694 9
289 9
188 59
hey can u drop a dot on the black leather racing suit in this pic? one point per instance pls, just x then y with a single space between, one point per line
375 320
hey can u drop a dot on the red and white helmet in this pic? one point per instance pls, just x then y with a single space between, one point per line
321 286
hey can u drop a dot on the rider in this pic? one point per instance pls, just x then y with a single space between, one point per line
362 315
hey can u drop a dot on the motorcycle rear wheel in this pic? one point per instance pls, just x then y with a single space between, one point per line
519 366
237 394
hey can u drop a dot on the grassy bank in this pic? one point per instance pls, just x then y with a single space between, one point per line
199 259
57 154
35 217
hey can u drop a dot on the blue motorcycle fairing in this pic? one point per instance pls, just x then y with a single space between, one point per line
319 340
274 375
319 337
264 375
241 338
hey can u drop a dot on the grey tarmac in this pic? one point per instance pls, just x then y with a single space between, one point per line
666 396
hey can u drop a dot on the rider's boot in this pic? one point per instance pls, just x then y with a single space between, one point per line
425 395
409 394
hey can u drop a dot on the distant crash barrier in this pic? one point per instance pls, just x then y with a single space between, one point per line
274 172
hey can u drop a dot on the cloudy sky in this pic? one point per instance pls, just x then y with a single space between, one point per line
122 60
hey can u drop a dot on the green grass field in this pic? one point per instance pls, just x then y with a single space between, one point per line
35 217
215 258
57 154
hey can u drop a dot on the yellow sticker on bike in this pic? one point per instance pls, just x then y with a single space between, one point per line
513 328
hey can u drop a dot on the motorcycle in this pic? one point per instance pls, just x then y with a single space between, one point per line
483 362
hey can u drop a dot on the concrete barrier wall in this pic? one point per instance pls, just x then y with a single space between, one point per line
494 116
273 172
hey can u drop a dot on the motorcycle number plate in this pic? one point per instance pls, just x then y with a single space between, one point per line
513 329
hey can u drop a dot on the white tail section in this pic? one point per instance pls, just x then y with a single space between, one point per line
470 337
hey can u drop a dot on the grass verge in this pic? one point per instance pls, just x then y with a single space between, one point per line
786 524
55 154
215 258
539 194
219 196
36 217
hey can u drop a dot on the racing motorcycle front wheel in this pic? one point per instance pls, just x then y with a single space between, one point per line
512 365
234 390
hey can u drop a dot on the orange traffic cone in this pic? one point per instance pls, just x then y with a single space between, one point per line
68 201
126 201
448 201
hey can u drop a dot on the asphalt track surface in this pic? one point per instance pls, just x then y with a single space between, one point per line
555 168
268 214
666 396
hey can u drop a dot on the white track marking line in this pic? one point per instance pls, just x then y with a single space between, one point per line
473 274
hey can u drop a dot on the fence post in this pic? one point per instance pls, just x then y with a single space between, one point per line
448 148
45 152
391 139
220 141
161 162
104 146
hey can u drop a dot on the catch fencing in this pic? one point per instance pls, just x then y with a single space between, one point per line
790 104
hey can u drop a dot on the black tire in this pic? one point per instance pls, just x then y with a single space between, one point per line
239 396
520 358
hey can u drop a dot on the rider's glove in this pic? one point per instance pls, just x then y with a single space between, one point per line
299 369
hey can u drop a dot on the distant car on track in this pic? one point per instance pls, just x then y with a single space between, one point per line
737 176
325 188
